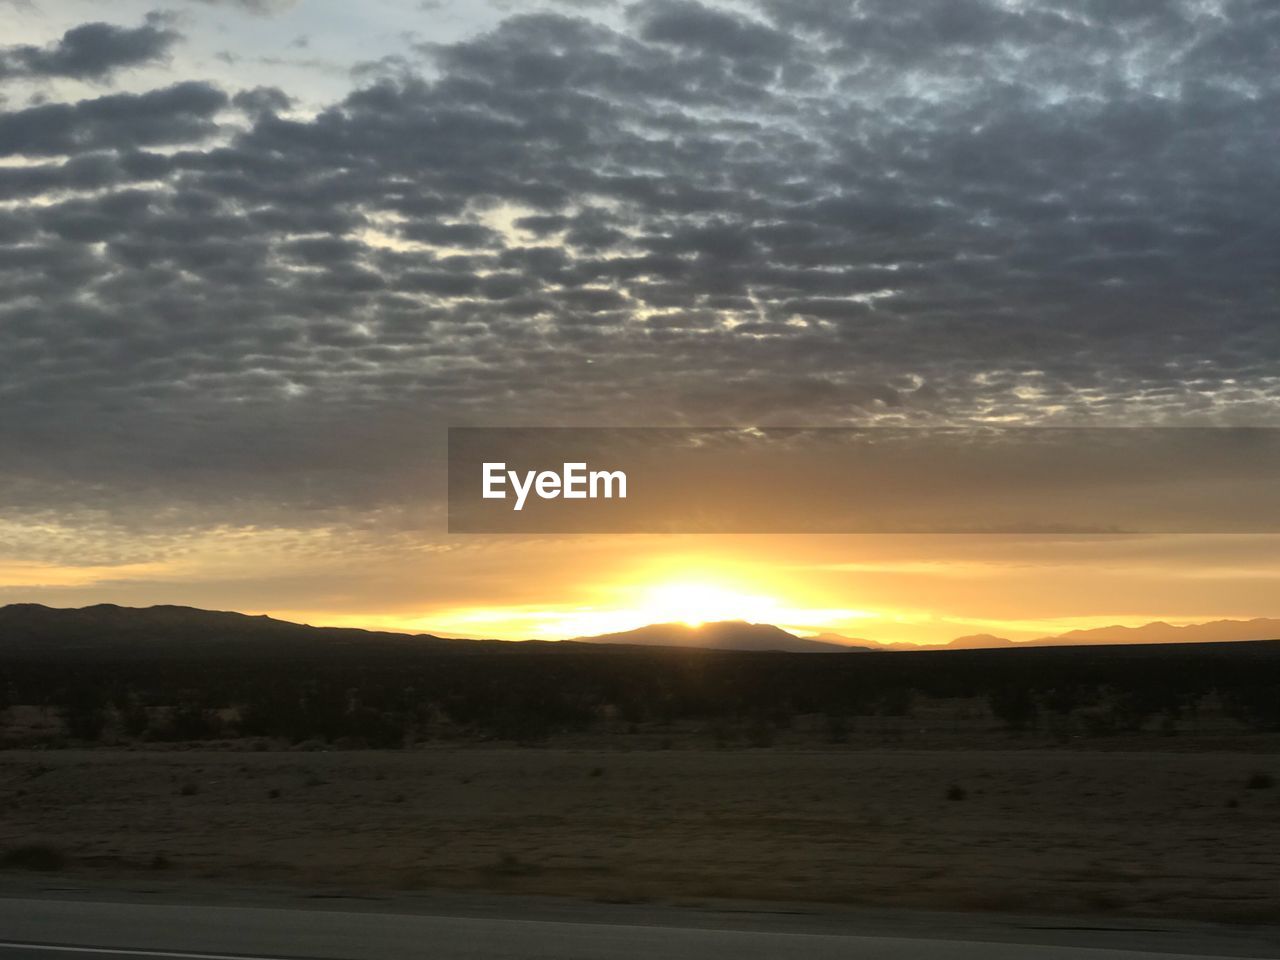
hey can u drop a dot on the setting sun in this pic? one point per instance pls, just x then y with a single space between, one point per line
694 604
691 589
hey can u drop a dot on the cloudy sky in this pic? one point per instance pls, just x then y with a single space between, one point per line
256 255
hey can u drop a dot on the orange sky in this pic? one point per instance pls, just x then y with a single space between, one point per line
923 589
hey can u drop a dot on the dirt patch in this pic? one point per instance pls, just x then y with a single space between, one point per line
1158 834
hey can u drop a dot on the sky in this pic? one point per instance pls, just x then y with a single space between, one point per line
256 256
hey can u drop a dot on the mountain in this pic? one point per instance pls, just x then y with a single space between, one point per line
723 635
164 631
168 631
979 641
160 631
1217 631
1260 628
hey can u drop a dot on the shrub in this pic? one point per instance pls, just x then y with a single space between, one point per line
1260 781
956 792
134 718
760 732
84 713
34 856
1014 706
190 721
510 865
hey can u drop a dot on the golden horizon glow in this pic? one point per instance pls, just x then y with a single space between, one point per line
914 590
516 624
694 604
689 602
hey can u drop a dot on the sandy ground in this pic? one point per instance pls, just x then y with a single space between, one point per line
1140 834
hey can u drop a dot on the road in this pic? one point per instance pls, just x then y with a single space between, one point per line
71 929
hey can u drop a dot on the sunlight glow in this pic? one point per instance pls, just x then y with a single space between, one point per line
692 602
697 603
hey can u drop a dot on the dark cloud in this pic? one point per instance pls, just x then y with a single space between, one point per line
91 51
262 100
818 213
180 114
687 24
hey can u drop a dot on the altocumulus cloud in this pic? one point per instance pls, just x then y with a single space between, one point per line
91 51
816 212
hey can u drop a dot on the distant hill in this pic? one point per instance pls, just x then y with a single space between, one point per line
979 641
160 631
723 635
167 631
1260 628
1159 632
841 640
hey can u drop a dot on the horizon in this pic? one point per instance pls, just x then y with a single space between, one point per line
241 313
987 641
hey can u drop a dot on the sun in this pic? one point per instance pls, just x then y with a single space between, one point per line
690 593
694 603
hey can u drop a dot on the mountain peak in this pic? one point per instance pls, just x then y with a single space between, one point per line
720 635
979 641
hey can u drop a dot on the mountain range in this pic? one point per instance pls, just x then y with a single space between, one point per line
738 635
1260 628
160 631
727 635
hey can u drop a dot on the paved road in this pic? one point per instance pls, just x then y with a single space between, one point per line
61 929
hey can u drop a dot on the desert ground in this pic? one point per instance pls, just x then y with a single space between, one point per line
1175 833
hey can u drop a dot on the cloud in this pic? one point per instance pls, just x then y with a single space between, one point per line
814 213
262 8
691 25
91 51
179 114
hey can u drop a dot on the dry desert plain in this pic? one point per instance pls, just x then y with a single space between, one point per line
1185 833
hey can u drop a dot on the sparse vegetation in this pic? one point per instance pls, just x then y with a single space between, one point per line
34 856
510 865
382 698
1014 705
870 826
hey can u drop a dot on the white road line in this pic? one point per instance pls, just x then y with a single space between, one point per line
117 951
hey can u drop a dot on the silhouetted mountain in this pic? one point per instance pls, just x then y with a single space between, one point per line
161 631
169 631
979 641
1215 631
724 635
1158 632
840 640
